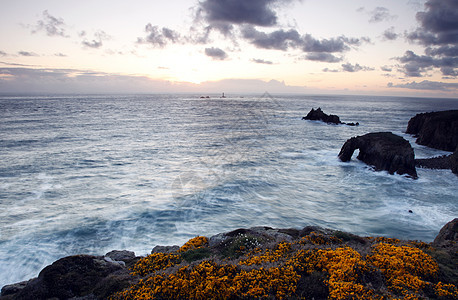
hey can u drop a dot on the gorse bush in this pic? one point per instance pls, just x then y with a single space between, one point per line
383 269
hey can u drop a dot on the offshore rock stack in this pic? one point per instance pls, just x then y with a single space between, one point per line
382 150
389 152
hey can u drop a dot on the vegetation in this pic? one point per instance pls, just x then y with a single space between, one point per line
318 265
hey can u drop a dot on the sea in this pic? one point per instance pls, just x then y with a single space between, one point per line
87 174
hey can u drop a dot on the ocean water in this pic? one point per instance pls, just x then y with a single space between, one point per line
89 174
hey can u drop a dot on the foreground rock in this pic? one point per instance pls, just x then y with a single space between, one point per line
382 150
259 262
437 130
86 276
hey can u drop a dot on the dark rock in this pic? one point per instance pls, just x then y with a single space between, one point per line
165 249
14 288
319 115
382 150
440 162
70 277
448 235
437 130
454 161
121 255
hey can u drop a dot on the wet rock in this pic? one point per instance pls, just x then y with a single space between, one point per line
448 235
121 255
319 115
165 249
69 277
454 161
440 162
14 288
382 150
437 130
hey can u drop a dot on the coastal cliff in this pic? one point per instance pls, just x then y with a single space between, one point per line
437 130
260 262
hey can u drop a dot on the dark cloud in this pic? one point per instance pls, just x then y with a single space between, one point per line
390 35
291 39
348 67
262 61
427 85
311 44
416 65
97 42
380 14
216 53
386 69
439 23
445 50
438 32
51 25
255 12
323 57
27 53
159 37
279 39
2 53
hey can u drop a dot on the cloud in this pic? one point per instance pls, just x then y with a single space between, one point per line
323 57
380 14
291 39
216 53
261 61
390 35
60 55
416 65
386 69
159 37
348 67
439 23
97 42
51 25
445 51
45 80
278 40
427 85
254 12
438 32
27 53
327 70
310 44
2 53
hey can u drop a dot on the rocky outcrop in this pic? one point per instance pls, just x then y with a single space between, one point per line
437 130
382 150
454 161
84 276
448 235
319 115
440 162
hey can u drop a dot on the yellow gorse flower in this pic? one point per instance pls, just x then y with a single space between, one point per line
276 272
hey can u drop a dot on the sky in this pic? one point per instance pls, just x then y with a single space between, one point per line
370 47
